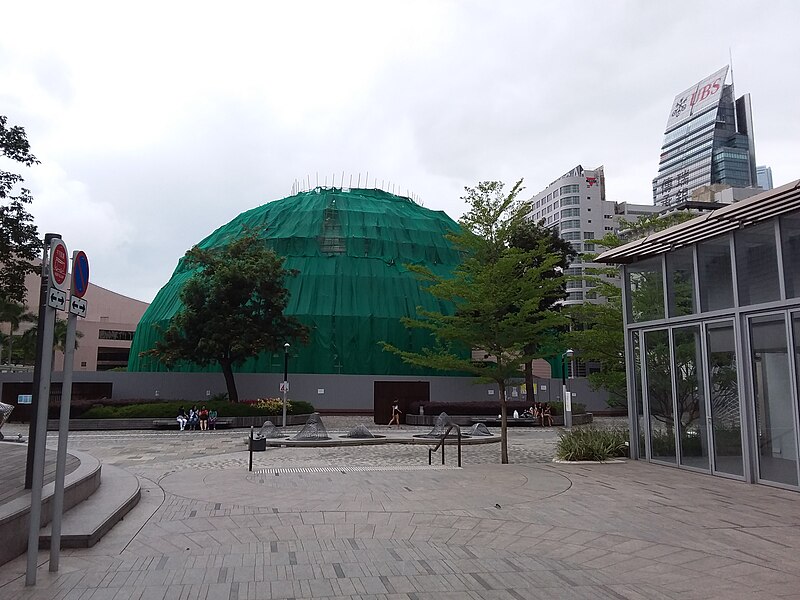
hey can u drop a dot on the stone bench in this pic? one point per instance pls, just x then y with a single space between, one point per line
170 423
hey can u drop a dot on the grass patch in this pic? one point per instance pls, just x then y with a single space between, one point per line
590 443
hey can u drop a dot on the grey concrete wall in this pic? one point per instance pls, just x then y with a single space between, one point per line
325 392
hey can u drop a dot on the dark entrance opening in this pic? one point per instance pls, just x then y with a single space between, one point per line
405 392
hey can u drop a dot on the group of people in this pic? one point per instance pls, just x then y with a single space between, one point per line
541 412
203 418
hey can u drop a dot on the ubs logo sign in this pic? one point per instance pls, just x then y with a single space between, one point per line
699 95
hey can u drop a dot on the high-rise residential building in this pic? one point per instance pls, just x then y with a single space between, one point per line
575 205
764 176
708 140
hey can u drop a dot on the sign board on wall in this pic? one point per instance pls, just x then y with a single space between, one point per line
697 98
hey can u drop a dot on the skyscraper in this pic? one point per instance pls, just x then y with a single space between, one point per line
764 176
708 140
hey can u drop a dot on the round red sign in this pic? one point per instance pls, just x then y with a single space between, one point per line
59 265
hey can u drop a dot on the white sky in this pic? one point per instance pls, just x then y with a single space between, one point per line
157 122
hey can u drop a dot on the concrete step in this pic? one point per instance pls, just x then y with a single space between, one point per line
83 525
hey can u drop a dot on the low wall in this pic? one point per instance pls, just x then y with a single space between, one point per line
462 420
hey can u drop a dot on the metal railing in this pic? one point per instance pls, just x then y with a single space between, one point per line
442 444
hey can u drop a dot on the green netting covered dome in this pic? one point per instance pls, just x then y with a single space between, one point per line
350 247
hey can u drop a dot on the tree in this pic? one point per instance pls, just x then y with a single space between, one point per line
19 241
14 314
232 309
528 235
499 293
28 339
598 333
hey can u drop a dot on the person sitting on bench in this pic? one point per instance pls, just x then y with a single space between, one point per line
181 418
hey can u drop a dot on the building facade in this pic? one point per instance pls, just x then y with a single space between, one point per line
712 324
708 140
105 335
764 177
575 205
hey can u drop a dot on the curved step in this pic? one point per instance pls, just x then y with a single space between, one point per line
86 523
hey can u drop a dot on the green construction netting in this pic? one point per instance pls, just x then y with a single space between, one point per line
350 248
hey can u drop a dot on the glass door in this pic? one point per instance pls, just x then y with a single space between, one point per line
774 405
658 385
723 409
689 397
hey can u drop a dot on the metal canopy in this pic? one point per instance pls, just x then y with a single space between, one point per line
733 216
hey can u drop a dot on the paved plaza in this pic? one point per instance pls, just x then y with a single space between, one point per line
377 522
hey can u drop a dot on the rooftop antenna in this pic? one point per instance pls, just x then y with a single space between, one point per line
730 58
351 180
359 180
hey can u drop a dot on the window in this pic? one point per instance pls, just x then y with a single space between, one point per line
588 235
570 200
645 290
574 295
608 216
571 235
608 228
790 242
714 274
757 264
591 295
570 189
574 283
589 247
571 224
571 212
680 282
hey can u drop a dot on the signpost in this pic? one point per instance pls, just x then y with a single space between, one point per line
77 307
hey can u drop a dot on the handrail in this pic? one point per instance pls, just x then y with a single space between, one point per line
441 443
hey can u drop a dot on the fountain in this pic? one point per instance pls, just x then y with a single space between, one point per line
312 430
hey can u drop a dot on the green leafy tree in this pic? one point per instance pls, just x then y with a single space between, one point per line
232 309
14 314
529 236
499 292
28 340
598 333
19 242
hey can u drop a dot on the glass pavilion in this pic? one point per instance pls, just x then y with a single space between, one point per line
712 344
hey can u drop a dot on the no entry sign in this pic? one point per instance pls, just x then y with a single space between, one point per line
59 265
80 273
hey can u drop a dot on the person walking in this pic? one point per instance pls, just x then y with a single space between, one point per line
396 412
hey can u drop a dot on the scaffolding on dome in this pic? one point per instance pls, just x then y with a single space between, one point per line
351 248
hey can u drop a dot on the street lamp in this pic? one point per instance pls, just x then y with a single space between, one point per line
285 385
565 357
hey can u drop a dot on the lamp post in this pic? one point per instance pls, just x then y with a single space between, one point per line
566 395
285 385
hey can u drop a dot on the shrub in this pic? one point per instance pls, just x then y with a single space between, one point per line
169 408
589 443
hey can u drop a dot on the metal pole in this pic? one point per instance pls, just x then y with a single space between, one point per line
285 378
39 451
443 444
459 447
37 369
250 447
565 392
63 432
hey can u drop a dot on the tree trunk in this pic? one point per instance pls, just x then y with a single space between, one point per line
529 395
230 383
503 424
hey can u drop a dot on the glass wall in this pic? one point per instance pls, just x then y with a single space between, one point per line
790 245
659 394
687 369
680 282
772 396
726 423
757 264
646 290
715 275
